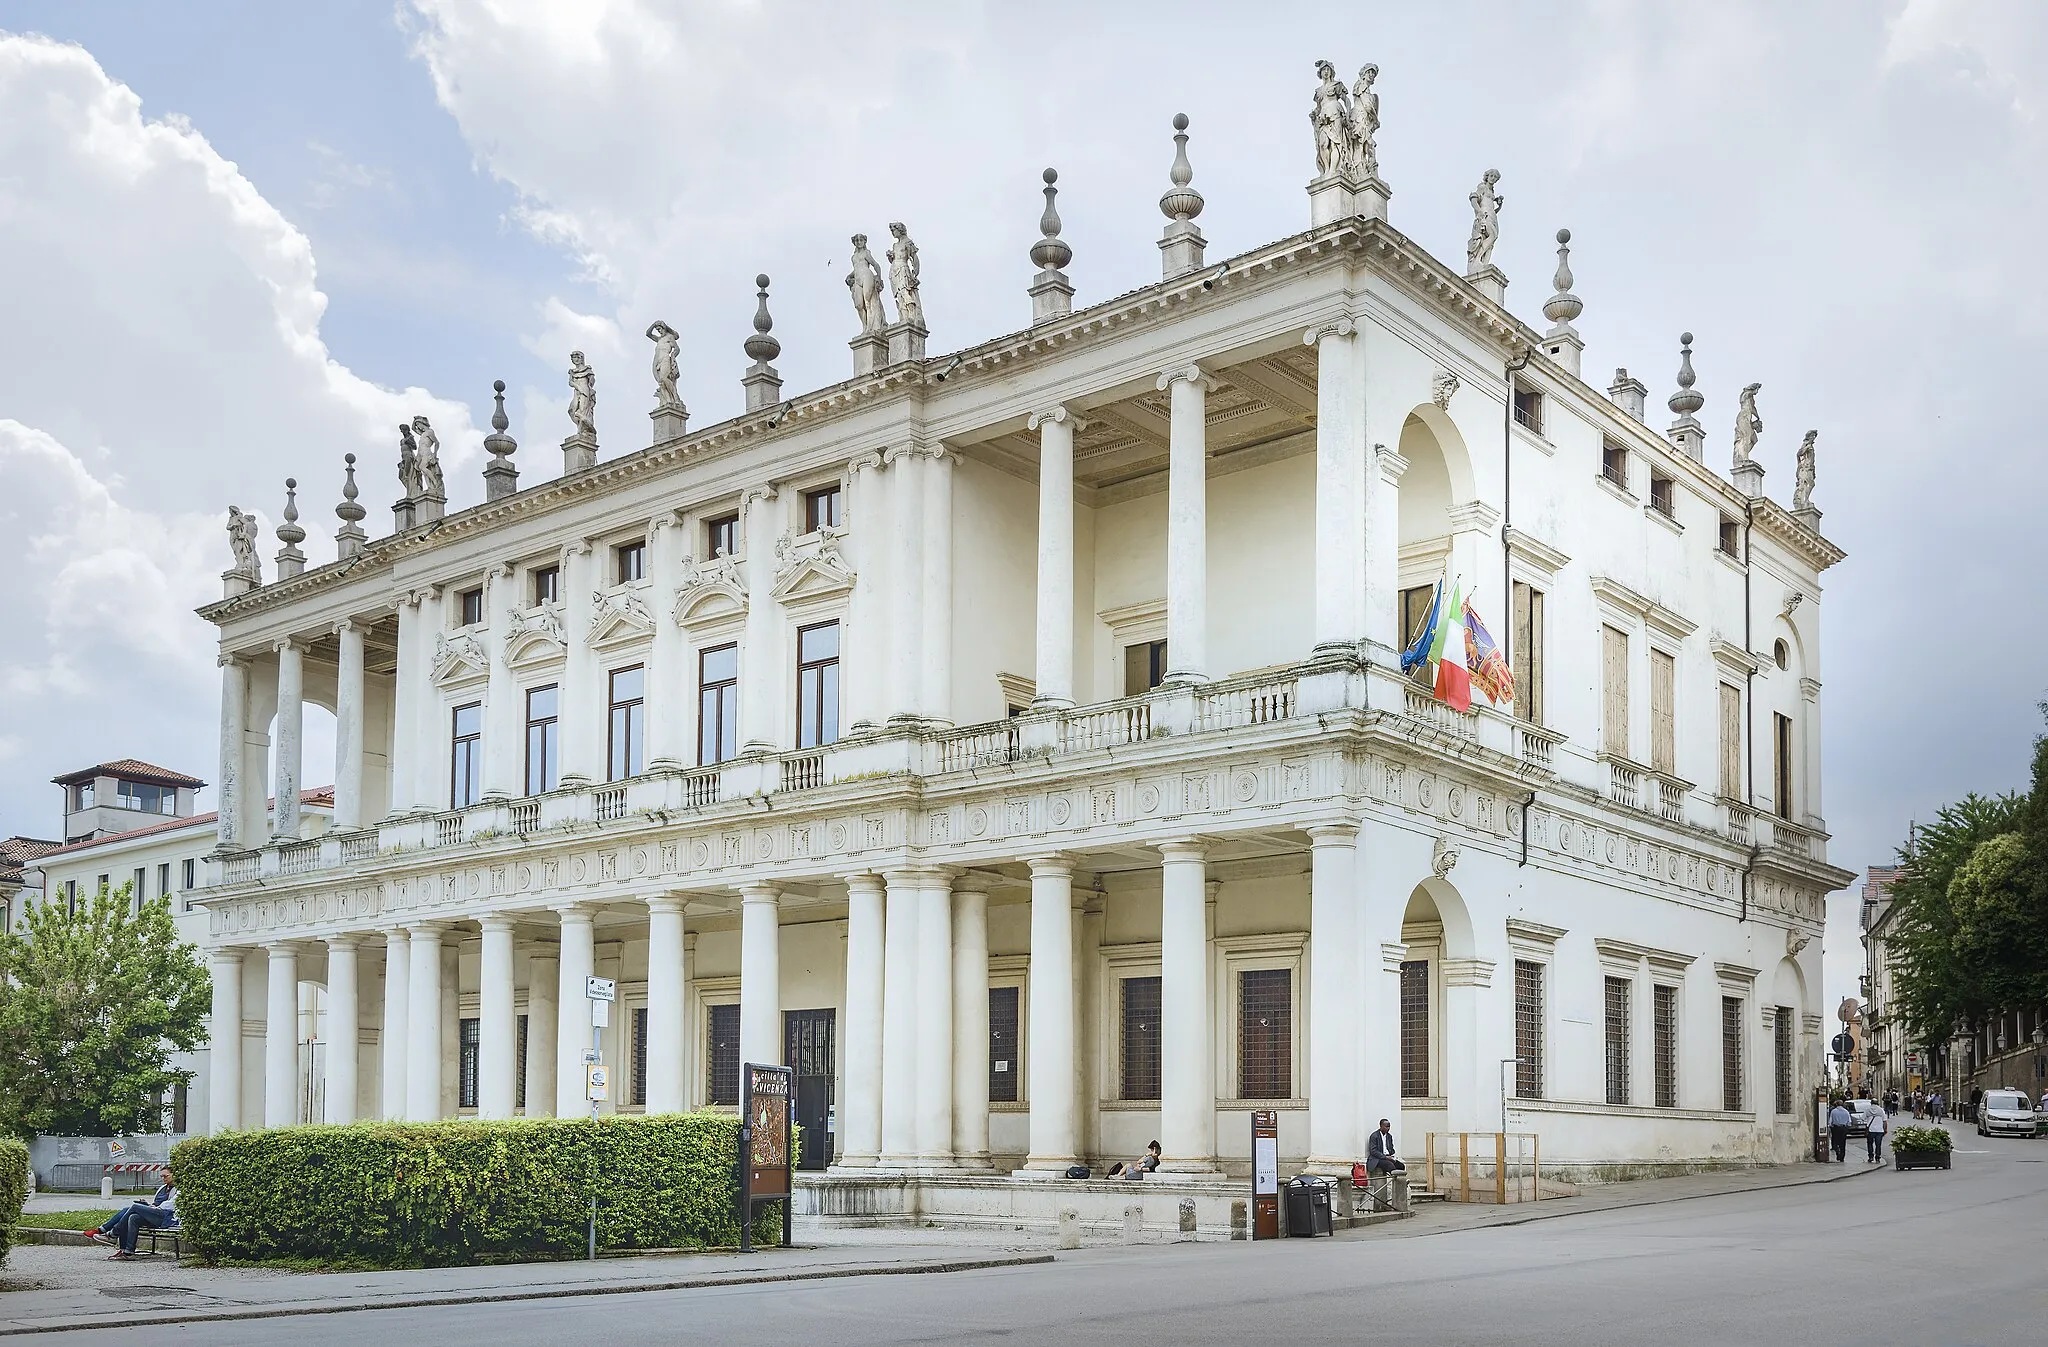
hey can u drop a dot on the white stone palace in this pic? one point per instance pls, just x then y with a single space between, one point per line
1014 742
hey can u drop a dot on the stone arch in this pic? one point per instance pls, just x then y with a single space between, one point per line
1438 899
1429 427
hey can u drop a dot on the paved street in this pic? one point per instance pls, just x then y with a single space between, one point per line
1923 1257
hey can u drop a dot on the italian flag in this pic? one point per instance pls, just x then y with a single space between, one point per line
1453 679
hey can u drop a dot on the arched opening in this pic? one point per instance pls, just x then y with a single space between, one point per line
1437 483
1436 935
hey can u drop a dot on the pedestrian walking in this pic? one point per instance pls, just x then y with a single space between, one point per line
1880 1123
1838 1132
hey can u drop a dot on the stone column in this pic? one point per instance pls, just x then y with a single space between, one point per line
668 686
344 1029
1340 488
348 728
224 1077
234 728
1054 667
581 723
899 1021
762 705
935 1021
1187 1094
1332 985
291 738
906 567
504 705
405 734
760 974
1383 550
970 1022
1187 514
497 1089
937 638
572 1011
860 1119
281 1039
1462 1048
1052 1045
666 995
395 1034
864 635
543 973
423 1026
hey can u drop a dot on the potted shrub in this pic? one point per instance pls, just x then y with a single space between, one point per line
1921 1148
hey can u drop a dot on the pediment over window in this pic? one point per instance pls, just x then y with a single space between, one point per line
620 619
711 595
459 659
812 571
534 638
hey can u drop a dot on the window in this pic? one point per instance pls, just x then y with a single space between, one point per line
138 889
547 584
722 535
472 605
145 798
1144 667
718 703
82 796
1731 741
821 509
1781 1027
1663 714
1140 1037
470 1035
465 771
1529 408
1731 1053
1664 1033
191 875
1415 603
71 896
1613 462
1414 1028
543 738
1781 763
1528 1030
817 685
1265 1033
1781 654
103 886
1663 496
1618 998
1614 685
163 879
724 1054
1731 538
1003 1066
639 1094
1528 639
629 562
519 1071
181 1107
628 722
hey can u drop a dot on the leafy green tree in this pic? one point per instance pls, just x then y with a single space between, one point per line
1939 983
92 1004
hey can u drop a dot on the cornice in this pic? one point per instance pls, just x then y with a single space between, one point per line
1535 551
1779 525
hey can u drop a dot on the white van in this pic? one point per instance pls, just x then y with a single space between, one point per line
2005 1113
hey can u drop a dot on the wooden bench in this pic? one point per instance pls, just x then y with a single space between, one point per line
155 1237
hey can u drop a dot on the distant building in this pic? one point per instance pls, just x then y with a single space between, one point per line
15 853
1896 1062
122 796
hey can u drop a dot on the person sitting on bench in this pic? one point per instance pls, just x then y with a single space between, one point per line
1138 1168
1380 1156
159 1213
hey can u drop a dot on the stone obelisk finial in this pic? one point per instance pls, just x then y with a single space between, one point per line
763 384
1052 294
349 539
1180 247
290 560
501 478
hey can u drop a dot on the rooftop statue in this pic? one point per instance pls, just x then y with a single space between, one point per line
1331 118
1486 204
582 396
666 366
1802 482
903 275
865 284
1748 426
408 463
1364 153
429 445
242 538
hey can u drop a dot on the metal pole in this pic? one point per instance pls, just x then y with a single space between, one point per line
597 1056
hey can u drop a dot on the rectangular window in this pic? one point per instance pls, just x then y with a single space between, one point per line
1614 687
138 889
629 562
817 685
1731 1053
145 798
1663 712
1265 1033
163 879
1414 1028
71 896
1664 1029
104 887
724 1054
1781 763
547 584
639 1095
181 1107
1731 741
1730 541
718 703
191 875
1415 603
1528 639
1618 998
1529 408
543 738
821 509
1140 1037
519 1070
466 765
82 796
1003 1065
470 1036
628 721
1528 1030
472 605
1614 463
1144 667
722 535
1663 496
1782 1035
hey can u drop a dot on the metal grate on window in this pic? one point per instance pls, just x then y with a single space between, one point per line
1528 1030
519 1079
1618 990
1414 1028
471 1038
640 1056
724 1054
1003 1066
1140 1038
1731 1053
807 1043
1664 1011
1783 1034
1265 1034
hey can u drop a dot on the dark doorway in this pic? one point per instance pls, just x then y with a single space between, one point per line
807 1051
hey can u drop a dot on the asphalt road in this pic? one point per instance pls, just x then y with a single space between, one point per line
1922 1258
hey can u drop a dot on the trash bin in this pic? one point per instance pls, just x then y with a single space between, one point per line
1308 1206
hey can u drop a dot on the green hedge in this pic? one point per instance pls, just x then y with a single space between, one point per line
13 1189
439 1194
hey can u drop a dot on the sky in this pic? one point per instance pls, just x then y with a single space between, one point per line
239 240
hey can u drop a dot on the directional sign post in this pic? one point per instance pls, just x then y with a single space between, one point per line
596 1080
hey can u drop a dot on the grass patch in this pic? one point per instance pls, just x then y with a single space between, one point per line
63 1220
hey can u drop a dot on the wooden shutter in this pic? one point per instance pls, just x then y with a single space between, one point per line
1731 741
1528 653
1137 668
1614 687
1663 723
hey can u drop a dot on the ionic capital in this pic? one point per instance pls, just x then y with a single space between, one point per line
1191 372
1341 327
1058 414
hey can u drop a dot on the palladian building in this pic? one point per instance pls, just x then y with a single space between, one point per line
1015 740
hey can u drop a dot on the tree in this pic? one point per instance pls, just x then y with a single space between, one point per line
93 1001
1939 988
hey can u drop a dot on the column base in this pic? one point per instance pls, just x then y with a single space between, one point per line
1334 652
1045 1169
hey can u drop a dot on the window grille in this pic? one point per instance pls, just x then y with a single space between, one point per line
471 1039
1731 1053
1414 1028
1003 1066
1265 1034
724 1054
1141 1038
639 1095
807 1043
1617 1040
1528 1030
1783 1035
1664 1010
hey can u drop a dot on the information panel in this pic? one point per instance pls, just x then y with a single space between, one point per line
765 1160
1265 1174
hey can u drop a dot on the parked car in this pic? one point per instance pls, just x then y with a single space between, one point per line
1859 1115
2005 1113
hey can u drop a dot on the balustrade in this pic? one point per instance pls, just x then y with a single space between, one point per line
1671 800
1439 716
804 771
296 858
700 788
1110 726
1624 785
608 803
524 816
1230 706
358 847
976 747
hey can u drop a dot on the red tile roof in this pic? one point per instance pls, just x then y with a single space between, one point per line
135 770
17 852
319 795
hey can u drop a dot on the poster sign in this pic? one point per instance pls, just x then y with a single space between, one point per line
597 1082
601 989
768 1100
1265 1174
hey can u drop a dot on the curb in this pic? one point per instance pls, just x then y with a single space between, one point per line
486 1297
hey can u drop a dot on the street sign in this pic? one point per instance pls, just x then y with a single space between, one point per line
600 1014
1844 1045
601 989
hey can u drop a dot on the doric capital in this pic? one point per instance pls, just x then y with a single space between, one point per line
1339 327
1051 865
864 882
1191 372
572 914
752 894
664 904
1059 414
1184 849
497 923
347 940
1332 833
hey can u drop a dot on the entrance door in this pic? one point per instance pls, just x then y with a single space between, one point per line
807 1051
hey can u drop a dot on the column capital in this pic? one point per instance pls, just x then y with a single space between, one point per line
865 882
751 894
231 659
872 459
421 930
764 491
665 904
1191 372
227 954
295 643
1059 414
496 923
1184 849
345 940
578 547
1338 327
974 881
1332 833
1051 865
573 914
348 624
291 947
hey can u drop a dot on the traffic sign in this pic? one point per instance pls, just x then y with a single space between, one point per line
601 989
